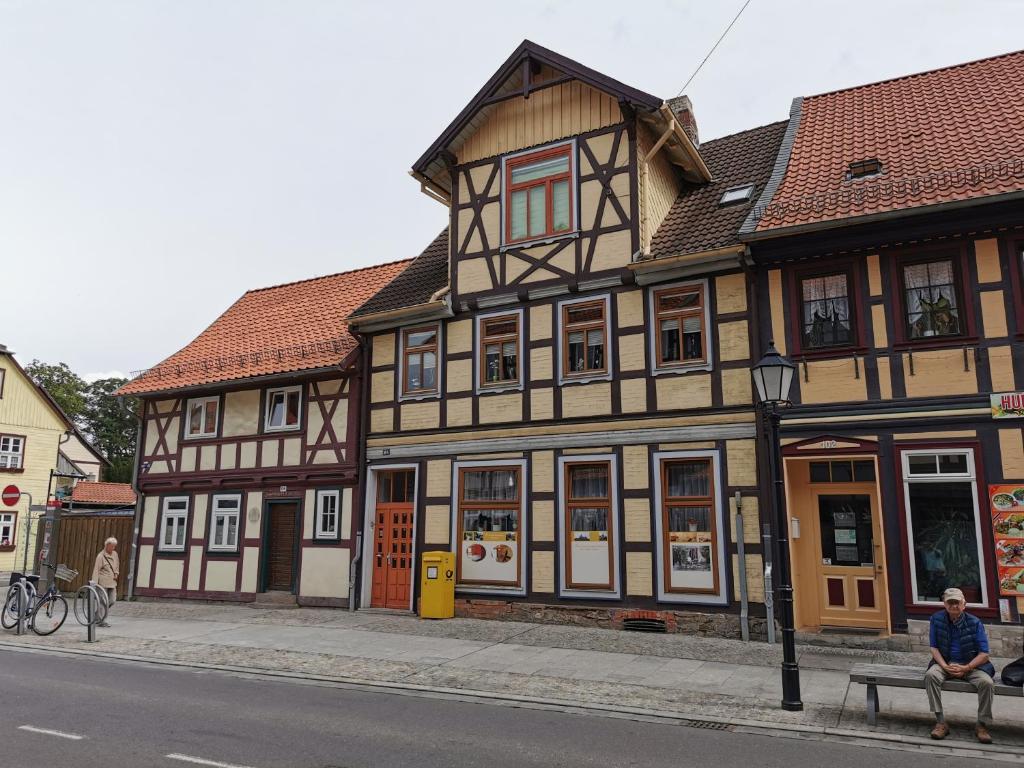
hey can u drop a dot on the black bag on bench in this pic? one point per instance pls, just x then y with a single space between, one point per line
1013 673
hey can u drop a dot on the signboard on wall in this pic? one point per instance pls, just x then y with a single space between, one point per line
1006 503
1007 405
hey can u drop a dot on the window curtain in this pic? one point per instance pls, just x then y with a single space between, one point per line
588 482
490 485
689 479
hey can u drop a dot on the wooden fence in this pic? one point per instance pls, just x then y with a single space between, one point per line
80 538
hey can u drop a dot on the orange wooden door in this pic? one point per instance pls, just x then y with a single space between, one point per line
393 531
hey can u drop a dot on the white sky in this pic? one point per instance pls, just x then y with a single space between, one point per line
160 157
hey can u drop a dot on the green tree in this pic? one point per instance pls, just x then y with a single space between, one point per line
112 426
64 385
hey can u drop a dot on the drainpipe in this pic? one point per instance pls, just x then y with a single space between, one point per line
742 554
137 517
363 425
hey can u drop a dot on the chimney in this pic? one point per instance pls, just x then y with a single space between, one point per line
683 110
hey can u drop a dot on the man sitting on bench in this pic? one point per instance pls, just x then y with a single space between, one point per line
959 647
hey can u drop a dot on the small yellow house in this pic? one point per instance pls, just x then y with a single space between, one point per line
31 428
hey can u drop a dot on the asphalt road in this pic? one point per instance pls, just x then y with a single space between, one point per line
134 715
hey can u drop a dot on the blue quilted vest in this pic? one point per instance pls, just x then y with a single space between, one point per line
967 630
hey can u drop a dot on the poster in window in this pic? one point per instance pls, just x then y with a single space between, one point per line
589 548
490 548
1006 503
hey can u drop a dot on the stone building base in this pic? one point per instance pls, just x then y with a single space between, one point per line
1005 641
684 622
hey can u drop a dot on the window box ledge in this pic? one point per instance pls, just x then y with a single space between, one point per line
519 244
949 342
585 379
681 369
833 353
12 470
484 391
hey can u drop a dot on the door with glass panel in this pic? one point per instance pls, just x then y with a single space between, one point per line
851 572
393 531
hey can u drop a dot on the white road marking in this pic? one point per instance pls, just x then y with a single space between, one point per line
203 761
48 732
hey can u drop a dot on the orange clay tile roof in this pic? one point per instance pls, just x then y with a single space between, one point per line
88 492
943 136
292 327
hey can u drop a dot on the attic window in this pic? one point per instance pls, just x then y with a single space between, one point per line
863 168
735 195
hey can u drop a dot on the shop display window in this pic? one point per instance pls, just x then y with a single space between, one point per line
588 530
488 517
943 525
690 537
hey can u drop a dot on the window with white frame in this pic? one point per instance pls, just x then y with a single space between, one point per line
689 526
583 339
498 352
8 528
328 514
284 409
588 528
539 194
173 524
419 360
201 417
943 525
12 452
680 319
224 518
488 512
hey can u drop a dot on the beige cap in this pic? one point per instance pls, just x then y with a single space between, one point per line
953 594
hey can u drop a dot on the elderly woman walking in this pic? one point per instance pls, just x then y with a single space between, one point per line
105 572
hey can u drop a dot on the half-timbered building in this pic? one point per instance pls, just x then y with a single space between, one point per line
559 384
249 449
889 250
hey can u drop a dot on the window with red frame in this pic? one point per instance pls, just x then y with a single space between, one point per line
825 308
538 194
930 299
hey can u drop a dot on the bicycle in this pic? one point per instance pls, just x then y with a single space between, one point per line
46 613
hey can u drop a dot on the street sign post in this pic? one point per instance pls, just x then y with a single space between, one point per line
11 495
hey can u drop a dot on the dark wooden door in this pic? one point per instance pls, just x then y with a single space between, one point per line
393 532
281 546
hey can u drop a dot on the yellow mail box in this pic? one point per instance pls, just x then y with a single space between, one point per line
437 585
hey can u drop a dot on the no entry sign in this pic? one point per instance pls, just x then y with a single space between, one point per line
11 495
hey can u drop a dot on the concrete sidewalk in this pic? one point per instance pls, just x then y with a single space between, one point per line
676 675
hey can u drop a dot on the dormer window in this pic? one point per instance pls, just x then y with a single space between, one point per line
539 194
735 195
864 168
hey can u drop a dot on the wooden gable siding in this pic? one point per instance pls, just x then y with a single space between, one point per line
658 186
326 438
547 115
606 203
22 404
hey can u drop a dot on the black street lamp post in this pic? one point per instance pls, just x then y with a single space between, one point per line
773 376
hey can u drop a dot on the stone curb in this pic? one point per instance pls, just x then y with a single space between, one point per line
792 730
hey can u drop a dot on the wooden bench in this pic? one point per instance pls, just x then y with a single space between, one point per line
874 675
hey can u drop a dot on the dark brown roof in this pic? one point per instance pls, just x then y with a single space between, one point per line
425 276
696 221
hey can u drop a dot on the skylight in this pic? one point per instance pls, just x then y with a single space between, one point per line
735 195
862 168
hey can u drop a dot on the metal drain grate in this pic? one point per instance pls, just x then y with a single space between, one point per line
708 725
644 625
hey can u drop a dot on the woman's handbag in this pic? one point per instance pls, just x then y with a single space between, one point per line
1013 673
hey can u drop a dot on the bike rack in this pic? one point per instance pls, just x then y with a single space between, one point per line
90 594
22 586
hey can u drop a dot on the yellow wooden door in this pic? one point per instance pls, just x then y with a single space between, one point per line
848 550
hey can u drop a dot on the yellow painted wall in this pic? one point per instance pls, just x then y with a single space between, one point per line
24 412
